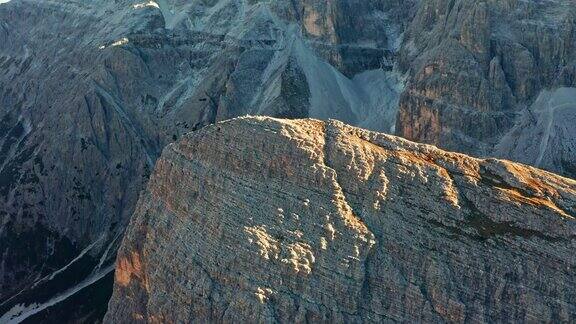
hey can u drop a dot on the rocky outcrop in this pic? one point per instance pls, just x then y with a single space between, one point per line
477 67
91 92
267 220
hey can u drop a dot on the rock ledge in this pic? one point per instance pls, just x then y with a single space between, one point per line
265 220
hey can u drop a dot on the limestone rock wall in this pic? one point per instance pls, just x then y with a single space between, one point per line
476 67
92 91
267 220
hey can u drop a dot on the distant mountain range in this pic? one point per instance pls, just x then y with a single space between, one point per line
92 92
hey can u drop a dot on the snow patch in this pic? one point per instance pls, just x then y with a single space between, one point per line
120 42
152 4
21 312
104 256
82 253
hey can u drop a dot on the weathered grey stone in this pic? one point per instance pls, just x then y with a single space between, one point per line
475 68
266 220
92 91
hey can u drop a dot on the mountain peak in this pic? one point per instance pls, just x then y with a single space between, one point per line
259 219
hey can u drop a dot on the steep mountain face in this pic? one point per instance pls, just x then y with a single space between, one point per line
266 220
493 78
91 91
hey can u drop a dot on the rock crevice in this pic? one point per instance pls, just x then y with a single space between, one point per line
267 220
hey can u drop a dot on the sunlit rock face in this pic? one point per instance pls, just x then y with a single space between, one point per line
267 220
92 91
477 67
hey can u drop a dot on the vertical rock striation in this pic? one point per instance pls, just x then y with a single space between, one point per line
267 220
91 92
477 68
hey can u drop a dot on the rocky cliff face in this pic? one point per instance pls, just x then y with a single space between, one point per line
267 220
91 92
487 78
